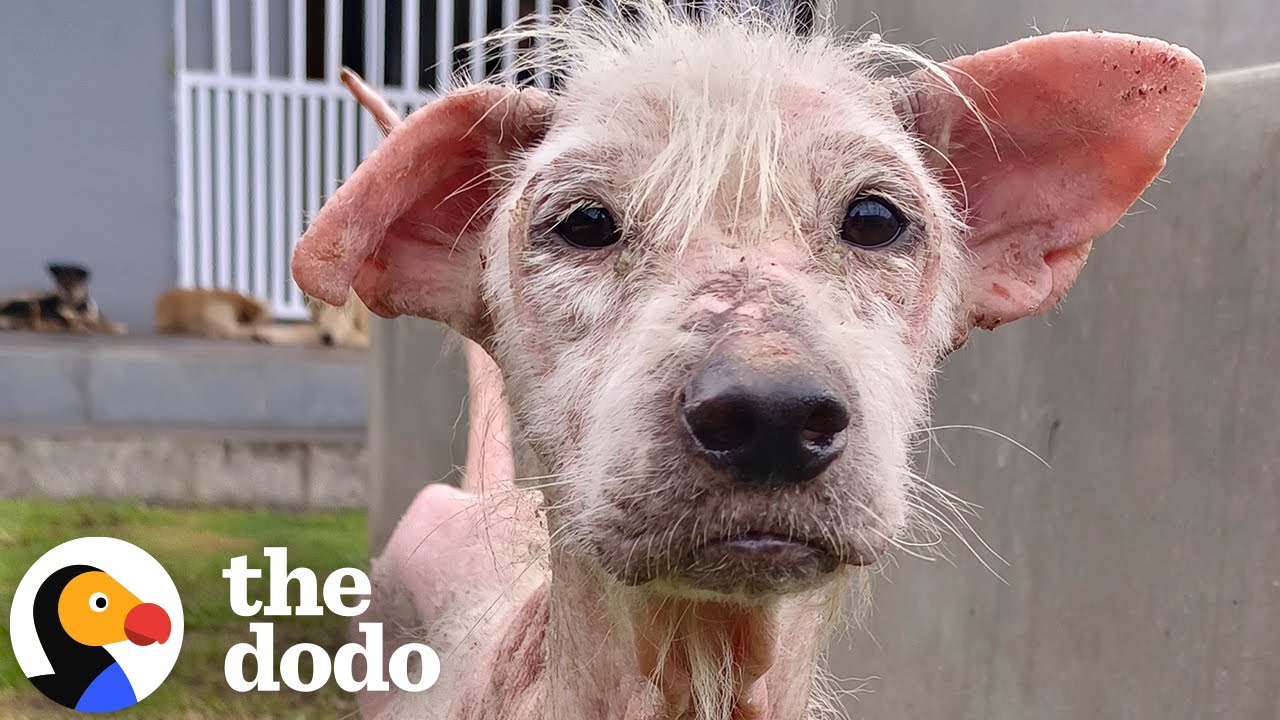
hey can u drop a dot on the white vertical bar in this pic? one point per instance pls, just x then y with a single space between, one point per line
510 11
261 30
298 41
186 219
374 31
222 37
373 37
222 225
312 154
350 122
240 139
221 108
444 45
543 10
479 19
297 71
333 61
409 49
279 234
261 62
332 40
204 180
333 106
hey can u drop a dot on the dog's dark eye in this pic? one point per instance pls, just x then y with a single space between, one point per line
590 226
872 223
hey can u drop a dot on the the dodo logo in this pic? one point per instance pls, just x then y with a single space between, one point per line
96 624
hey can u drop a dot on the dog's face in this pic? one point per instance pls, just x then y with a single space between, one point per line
719 306
71 284
720 265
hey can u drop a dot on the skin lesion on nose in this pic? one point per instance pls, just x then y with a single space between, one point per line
769 429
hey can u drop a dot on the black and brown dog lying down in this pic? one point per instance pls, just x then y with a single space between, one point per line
67 309
228 314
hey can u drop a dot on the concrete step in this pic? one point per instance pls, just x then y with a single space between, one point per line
182 420
186 468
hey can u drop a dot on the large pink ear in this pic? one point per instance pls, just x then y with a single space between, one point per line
405 229
1078 125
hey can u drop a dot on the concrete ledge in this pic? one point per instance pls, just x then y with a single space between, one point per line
95 382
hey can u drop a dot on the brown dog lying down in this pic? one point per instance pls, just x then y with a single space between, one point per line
209 312
344 326
228 314
716 268
67 309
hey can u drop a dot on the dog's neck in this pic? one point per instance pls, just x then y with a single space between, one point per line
582 647
626 653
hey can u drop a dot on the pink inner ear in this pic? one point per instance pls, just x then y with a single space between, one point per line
405 229
1080 124
424 258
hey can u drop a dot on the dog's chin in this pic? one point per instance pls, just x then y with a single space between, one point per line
750 566
756 565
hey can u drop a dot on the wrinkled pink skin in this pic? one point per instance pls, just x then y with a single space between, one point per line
1084 121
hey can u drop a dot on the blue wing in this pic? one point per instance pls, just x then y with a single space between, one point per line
109 691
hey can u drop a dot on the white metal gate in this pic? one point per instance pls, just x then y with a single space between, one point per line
266 131
262 141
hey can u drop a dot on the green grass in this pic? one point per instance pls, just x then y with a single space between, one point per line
194 545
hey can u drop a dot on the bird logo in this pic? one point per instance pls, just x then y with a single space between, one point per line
96 624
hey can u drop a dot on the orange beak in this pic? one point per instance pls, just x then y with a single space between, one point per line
146 624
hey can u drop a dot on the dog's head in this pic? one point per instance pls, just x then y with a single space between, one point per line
345 325
719 265
71 282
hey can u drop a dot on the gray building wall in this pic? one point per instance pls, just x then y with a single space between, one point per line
87 160
1230 34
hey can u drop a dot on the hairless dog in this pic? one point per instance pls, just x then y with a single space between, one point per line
706 281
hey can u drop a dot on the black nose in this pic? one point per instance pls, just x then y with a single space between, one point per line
326 339
771 429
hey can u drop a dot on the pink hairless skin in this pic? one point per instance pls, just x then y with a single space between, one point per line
705 284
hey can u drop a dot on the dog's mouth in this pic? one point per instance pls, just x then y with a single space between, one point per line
758 563
741 542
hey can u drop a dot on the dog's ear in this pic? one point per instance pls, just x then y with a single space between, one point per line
405 230
1049 142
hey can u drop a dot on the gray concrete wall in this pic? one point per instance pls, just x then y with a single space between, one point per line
417 418
87 157
1226 34
1143 578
